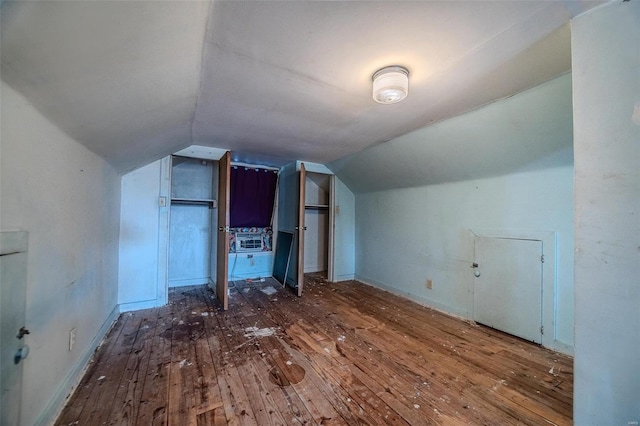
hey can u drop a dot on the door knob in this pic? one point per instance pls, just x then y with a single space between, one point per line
22 332
476 271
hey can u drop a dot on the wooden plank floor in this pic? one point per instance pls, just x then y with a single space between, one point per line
344 353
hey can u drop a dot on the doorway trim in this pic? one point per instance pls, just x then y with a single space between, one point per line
164 220
549 277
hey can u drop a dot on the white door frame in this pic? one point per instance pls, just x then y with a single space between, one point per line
549 280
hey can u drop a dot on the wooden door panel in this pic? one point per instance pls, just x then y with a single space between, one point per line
222 254
301 227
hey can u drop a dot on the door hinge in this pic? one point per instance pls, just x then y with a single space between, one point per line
542 329
542 258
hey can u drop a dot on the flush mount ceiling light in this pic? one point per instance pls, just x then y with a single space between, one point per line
390 84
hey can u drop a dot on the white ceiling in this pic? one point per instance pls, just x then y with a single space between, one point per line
273 81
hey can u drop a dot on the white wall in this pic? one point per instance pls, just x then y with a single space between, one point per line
190 229
527 131
316 221
606 61
139 284
68 199
406 236
344 232
410 228
252 265
189 245
316 240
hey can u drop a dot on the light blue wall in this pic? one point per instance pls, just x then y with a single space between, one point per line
406 236
244 266
345 232
507 166
140 285
191 225
68 199
606 60
190 245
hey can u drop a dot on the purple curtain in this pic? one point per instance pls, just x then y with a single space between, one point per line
252 193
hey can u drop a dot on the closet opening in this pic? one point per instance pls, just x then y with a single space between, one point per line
225 224
192 219
252 191
306 210
318 223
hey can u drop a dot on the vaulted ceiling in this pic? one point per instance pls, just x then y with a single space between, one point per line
273 81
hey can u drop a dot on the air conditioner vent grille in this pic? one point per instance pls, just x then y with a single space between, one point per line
249 241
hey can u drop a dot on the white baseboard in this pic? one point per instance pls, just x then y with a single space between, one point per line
250 275
69 384
315 268
344 277
555 345
564 347
440 307
188 282
136 306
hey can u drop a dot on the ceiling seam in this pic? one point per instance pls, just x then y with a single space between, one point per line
300 76
200 77
486 44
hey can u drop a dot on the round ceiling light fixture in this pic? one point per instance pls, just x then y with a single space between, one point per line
390 84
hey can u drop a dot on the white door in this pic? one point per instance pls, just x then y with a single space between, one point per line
508 286
13 287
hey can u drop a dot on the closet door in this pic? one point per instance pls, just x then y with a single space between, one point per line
508 288
222 269
13 296
301 227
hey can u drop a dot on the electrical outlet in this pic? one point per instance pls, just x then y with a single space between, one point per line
429 284
72 338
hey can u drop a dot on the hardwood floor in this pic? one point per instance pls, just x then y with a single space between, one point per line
344 353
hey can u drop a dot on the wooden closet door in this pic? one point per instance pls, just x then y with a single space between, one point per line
222 262
301 227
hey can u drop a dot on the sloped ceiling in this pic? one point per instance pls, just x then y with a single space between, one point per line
272 81
529 131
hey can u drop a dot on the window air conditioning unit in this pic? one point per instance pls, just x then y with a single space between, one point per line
249 241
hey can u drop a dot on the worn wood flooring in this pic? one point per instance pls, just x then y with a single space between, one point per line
344 353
